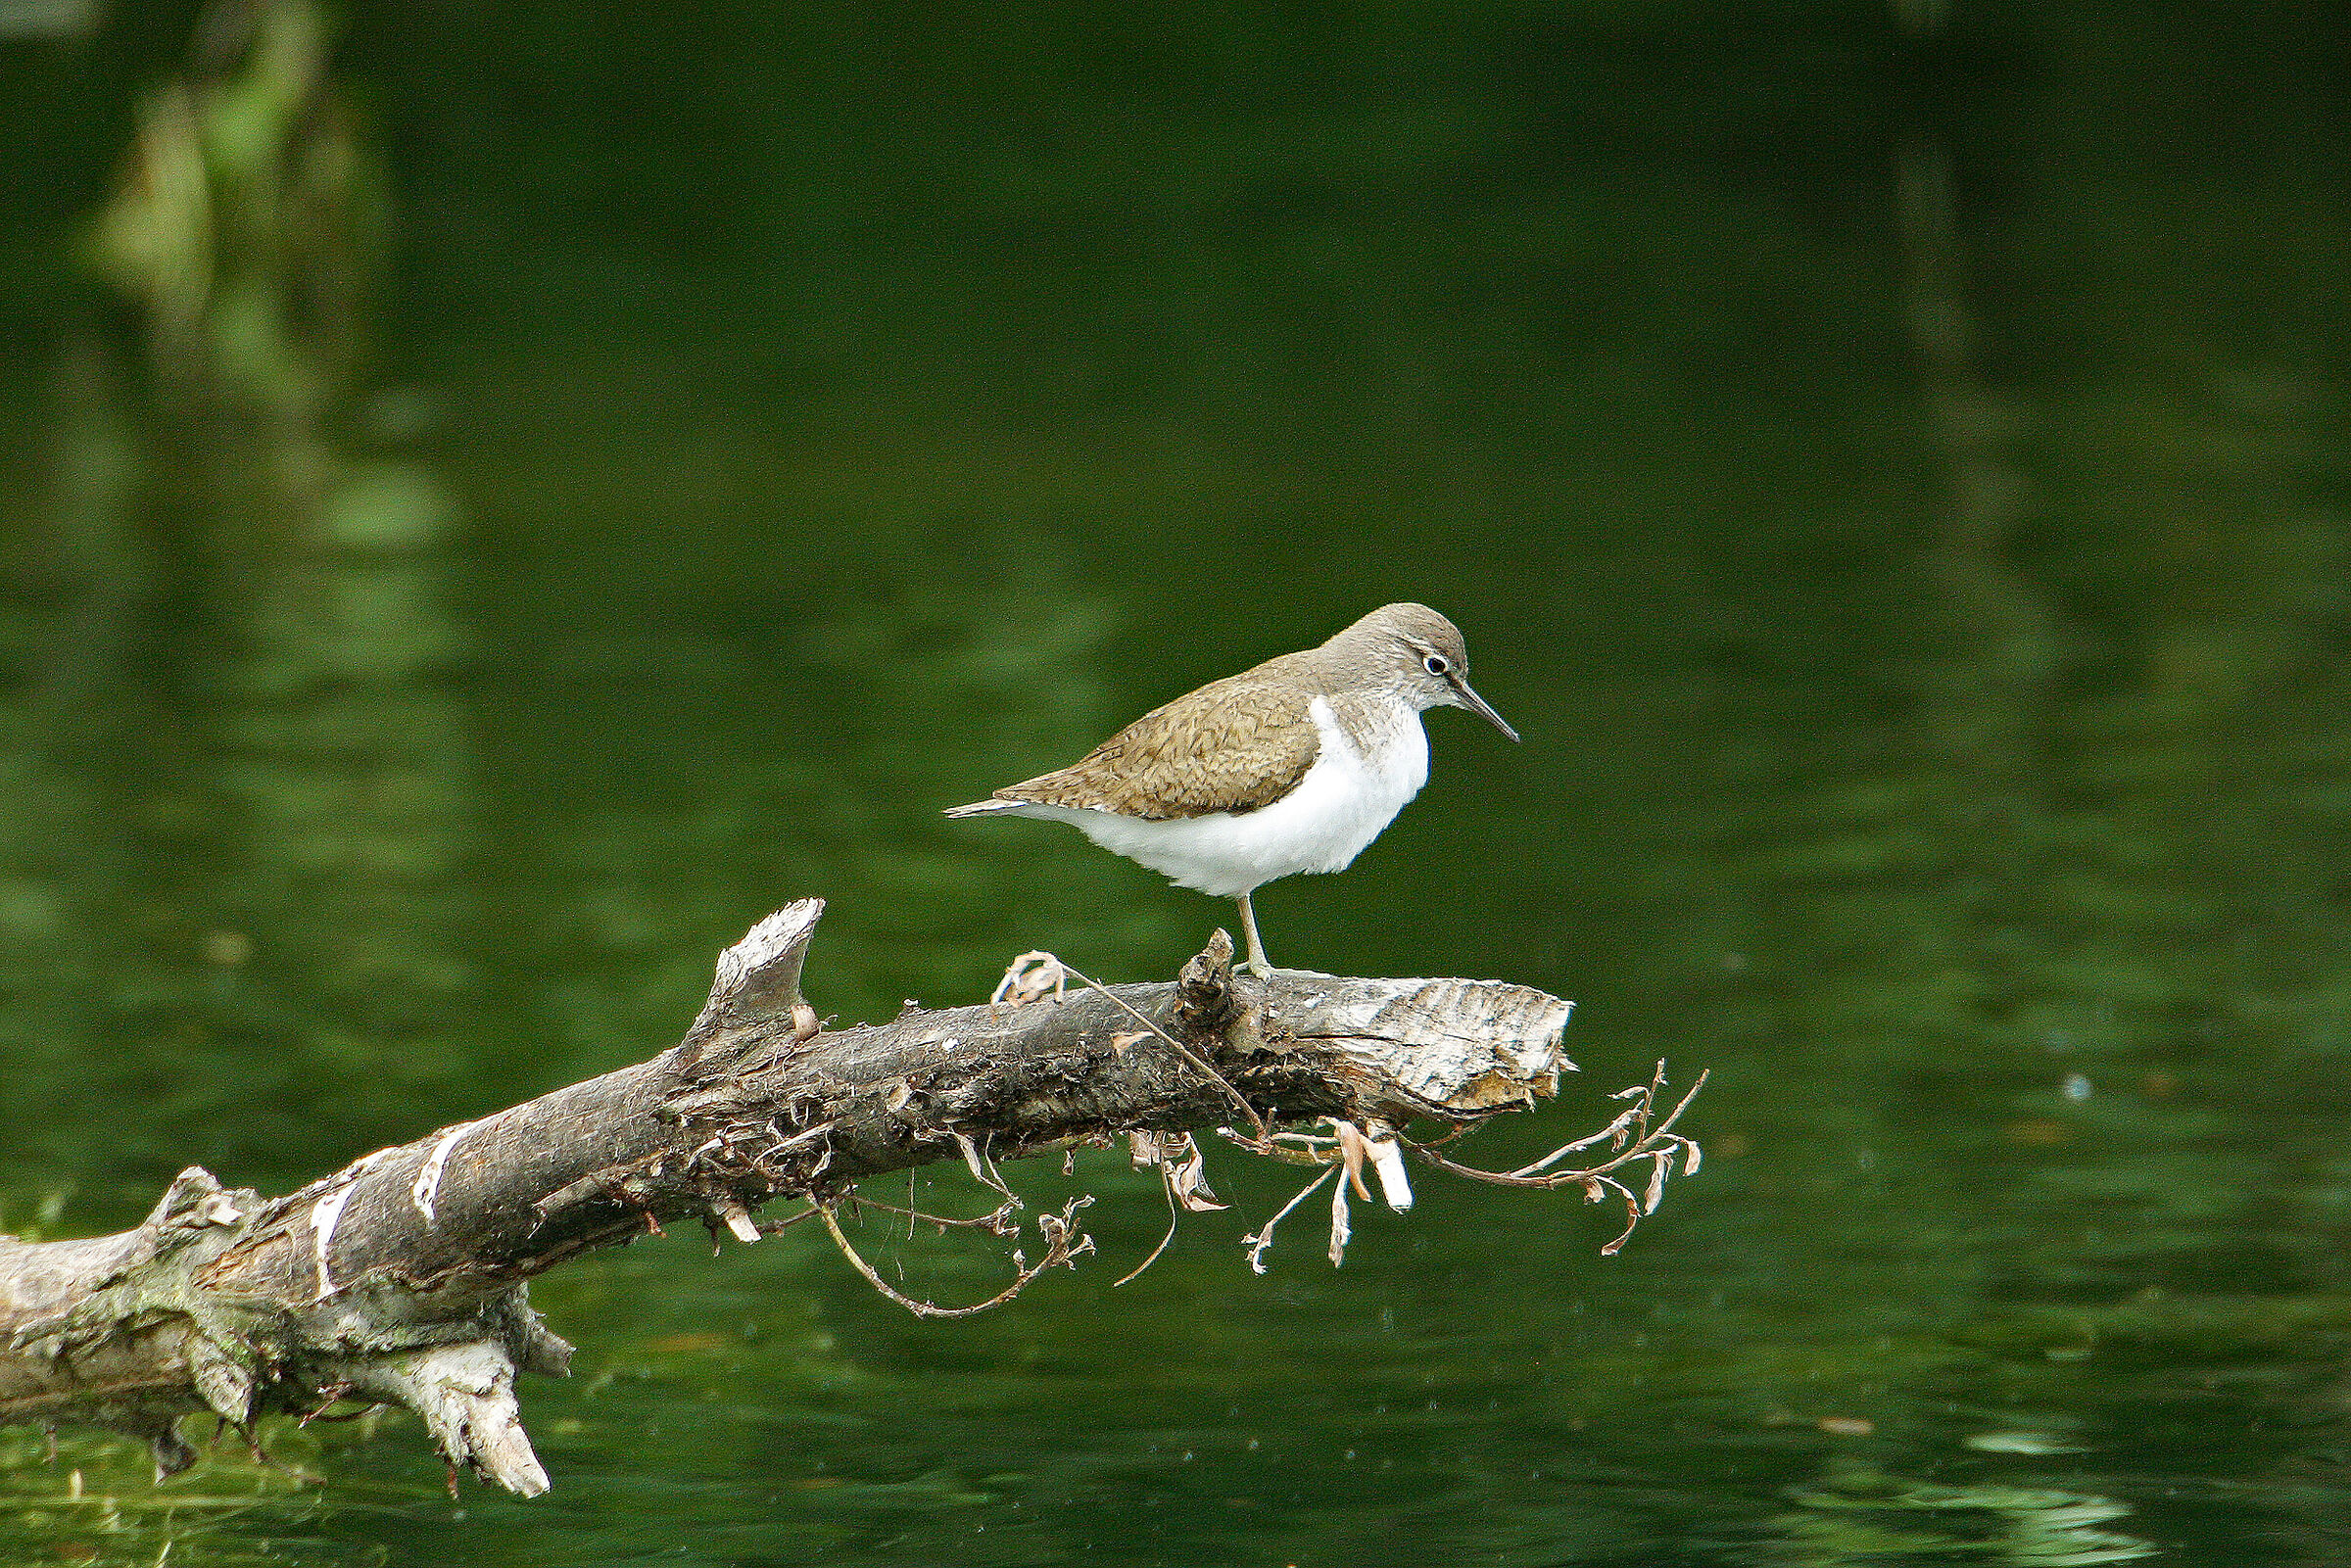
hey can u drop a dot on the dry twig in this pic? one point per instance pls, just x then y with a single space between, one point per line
1632 1135
1264 1237
1182 1173
1064 1244
998 1223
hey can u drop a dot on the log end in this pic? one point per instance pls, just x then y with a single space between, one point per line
466 1395
1457 1050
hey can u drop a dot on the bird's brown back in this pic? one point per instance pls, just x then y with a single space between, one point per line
1235 744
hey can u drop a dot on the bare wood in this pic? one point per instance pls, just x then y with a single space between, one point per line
402 1277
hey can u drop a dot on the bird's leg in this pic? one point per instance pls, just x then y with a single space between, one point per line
1256 965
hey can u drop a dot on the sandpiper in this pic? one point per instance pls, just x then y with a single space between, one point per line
1293 766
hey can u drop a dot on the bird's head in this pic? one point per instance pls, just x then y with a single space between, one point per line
1417 654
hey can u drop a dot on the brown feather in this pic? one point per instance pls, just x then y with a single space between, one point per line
1235 744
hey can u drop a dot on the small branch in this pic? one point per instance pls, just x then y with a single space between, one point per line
1263 1238
777 1227
1173 1218
999 1222
1183 1176
1060 1249
1634 1138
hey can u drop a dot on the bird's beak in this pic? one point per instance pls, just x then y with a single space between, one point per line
1477 705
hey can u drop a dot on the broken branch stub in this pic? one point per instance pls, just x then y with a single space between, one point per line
402 1277
756 988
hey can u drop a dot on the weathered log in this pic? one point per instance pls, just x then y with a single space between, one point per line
401 1278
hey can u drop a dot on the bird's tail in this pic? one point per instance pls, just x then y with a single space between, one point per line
986 808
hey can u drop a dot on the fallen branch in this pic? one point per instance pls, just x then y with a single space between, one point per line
402 1277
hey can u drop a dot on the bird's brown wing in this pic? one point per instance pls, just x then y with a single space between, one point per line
1234 745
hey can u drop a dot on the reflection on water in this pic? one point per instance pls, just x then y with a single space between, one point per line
239 641
1862 1516
1915 561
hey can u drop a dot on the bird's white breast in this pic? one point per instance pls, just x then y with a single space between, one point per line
1350 794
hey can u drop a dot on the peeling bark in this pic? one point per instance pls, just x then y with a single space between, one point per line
402 1277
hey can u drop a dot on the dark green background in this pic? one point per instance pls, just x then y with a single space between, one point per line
780 423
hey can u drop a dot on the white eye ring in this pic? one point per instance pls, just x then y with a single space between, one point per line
1435 664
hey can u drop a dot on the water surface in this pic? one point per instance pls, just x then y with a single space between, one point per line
1906 526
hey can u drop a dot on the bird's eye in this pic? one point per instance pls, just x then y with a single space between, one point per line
1435 664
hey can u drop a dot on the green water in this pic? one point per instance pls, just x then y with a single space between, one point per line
1924 599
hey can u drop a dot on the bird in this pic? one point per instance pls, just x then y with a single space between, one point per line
1291 767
